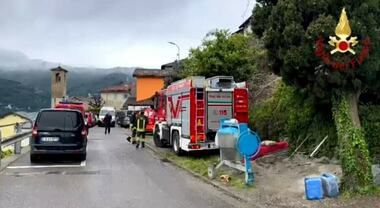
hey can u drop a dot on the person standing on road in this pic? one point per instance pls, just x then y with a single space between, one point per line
107 123
133 126
142 121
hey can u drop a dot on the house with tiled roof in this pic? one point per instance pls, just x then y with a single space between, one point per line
175 65
115 96
245 28
9 121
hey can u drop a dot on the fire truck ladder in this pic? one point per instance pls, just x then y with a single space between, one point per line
200 116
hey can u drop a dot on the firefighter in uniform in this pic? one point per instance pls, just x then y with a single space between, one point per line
133 127
140 129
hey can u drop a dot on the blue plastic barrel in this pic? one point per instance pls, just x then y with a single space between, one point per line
330 185
313 188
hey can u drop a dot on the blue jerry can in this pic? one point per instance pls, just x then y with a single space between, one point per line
313 188
330 185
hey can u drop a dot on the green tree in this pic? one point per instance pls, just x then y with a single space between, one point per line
222 53
290 29
96 103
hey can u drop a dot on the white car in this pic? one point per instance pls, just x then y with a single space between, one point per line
103 112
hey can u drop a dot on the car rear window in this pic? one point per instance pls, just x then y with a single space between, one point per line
64 120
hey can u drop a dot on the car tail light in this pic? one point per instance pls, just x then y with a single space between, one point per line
34 132
192 139
84 134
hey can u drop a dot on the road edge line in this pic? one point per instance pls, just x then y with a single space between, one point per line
202 178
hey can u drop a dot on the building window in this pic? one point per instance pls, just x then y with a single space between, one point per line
57 78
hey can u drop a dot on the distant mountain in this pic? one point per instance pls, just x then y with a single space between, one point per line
15 96
25 84
16 60
82 83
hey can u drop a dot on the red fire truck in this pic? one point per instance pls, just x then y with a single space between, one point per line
189 111
150 114
72 105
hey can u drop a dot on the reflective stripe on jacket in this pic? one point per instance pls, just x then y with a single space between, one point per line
141 121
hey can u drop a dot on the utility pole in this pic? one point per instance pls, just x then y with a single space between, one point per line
178 52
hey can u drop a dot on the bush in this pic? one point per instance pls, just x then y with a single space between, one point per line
293 115
5 153
267 117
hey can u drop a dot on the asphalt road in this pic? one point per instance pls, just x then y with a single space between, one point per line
114 175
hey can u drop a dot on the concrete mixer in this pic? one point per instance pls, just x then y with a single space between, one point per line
237 143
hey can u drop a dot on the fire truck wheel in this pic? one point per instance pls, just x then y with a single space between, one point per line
156 138
177 149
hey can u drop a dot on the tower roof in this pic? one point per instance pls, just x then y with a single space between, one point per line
59 68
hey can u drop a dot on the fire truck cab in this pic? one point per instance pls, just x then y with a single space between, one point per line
188 112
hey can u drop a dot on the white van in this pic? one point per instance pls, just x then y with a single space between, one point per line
104 111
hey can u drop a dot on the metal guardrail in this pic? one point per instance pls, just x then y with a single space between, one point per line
22 125
15 141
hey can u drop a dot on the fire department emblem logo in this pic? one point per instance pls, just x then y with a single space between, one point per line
343 31
342 42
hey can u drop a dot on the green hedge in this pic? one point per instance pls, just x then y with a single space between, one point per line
292 115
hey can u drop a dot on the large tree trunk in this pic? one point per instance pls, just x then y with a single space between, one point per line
354 154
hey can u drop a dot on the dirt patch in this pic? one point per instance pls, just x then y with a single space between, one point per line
279 182
286 176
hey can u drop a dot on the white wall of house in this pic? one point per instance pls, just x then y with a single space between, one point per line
114 99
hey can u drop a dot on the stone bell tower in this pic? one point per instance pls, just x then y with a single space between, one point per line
58 85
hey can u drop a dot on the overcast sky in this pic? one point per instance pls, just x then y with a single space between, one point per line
107 33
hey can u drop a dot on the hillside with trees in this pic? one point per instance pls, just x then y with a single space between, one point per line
34 85
18 97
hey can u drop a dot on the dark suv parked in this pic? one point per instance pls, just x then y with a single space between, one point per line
59 132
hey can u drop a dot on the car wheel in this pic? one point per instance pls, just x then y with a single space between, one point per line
176 147
33 158
156 137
